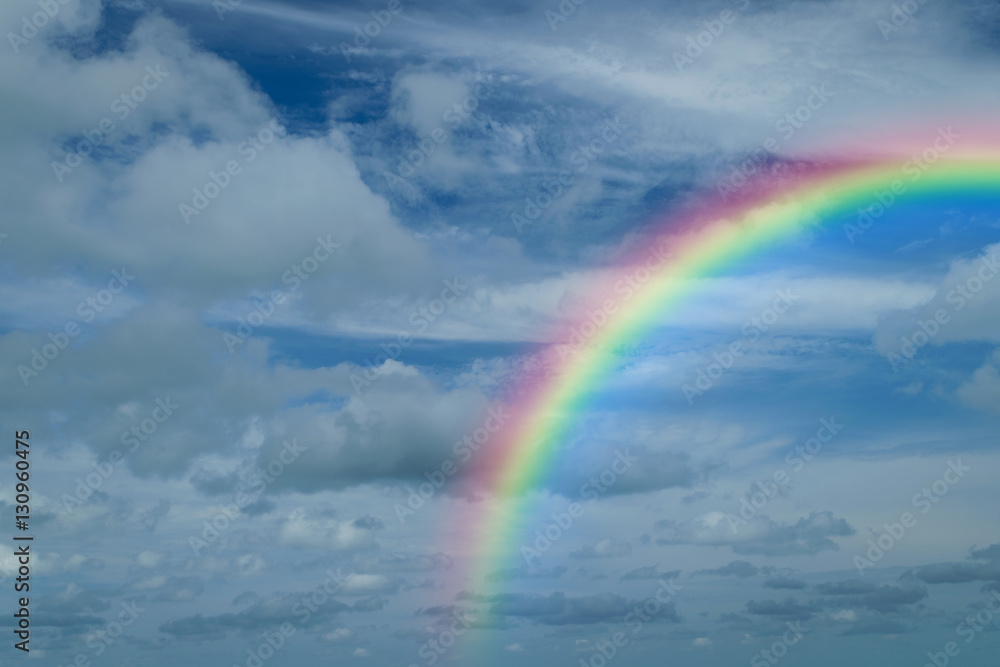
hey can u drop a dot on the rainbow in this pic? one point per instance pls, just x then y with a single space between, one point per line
658 272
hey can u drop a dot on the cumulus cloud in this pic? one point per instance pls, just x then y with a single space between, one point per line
208 245
966 297
308 528
982 390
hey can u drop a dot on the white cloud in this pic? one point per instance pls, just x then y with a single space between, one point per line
962 307
982 390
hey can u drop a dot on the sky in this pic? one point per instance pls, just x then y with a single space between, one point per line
265 264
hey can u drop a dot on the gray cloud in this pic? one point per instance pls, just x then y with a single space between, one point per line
265 613
876 627
785 583
848 587
738 568
180 589
809 535
649 572
401 562
789 609
560 609
528 572
957 573
890 597
606 548
991 553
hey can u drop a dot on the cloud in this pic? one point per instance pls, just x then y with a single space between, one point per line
180 589
650 470
606 548
982 390
888 597
649 572
339 127
809 535
785 583
339 636
884 598
738 568
401 562
968 294
268 613
847 587
402 428
74 599
957 573
991 553
876 627
560 609
368 523
368 585
152 518
788 610
128 196
310 528
528 572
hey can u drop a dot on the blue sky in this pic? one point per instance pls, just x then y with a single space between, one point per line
273 201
